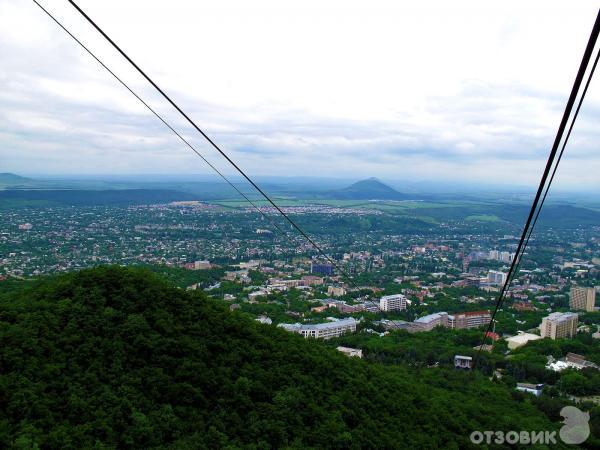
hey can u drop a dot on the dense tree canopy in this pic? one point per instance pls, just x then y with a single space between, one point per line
115 357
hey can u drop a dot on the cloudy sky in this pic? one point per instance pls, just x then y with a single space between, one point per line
427 90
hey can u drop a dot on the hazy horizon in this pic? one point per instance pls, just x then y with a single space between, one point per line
317 182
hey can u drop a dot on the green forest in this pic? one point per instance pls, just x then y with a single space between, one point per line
120 357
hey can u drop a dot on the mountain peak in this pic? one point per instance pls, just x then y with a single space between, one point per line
8 179
12 177
368 189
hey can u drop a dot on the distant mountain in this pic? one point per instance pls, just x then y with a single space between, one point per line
12 180
370 189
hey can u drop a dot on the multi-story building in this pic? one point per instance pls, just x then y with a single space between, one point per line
326 330
336 291
559 325
535 389
471 319
322 269
310 280
463 362
429 322
396 302
496 277
351 352
582 298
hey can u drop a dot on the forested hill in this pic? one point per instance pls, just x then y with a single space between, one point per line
114 357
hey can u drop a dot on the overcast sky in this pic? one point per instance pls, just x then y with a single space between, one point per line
427 90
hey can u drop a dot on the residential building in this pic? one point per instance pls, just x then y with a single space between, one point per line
579 361
252 264
344 307
470 319
264 319
496 277
506 257
348 351
429 322
535 389
326 330
308 280
336 291
524 306
260 293
582 298
396 302
559 325
463 362
473 281
571 361
311 280
322 269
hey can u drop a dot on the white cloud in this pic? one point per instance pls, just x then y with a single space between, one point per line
438 90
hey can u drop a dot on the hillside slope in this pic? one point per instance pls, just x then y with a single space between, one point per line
370 189
10 179
114 357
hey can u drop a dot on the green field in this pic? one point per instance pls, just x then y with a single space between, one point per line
384 205
483 218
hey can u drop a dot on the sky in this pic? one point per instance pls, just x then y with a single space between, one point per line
428 91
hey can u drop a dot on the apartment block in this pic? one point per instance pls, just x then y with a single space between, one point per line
559 325
429 322
396 302
582 298
322 330
471 319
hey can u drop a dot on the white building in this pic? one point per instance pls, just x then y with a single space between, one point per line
350 352
322 330
571 361
429 322
264 319
559 325
396 302
521 339
254 295
535 389
463 362
496 277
